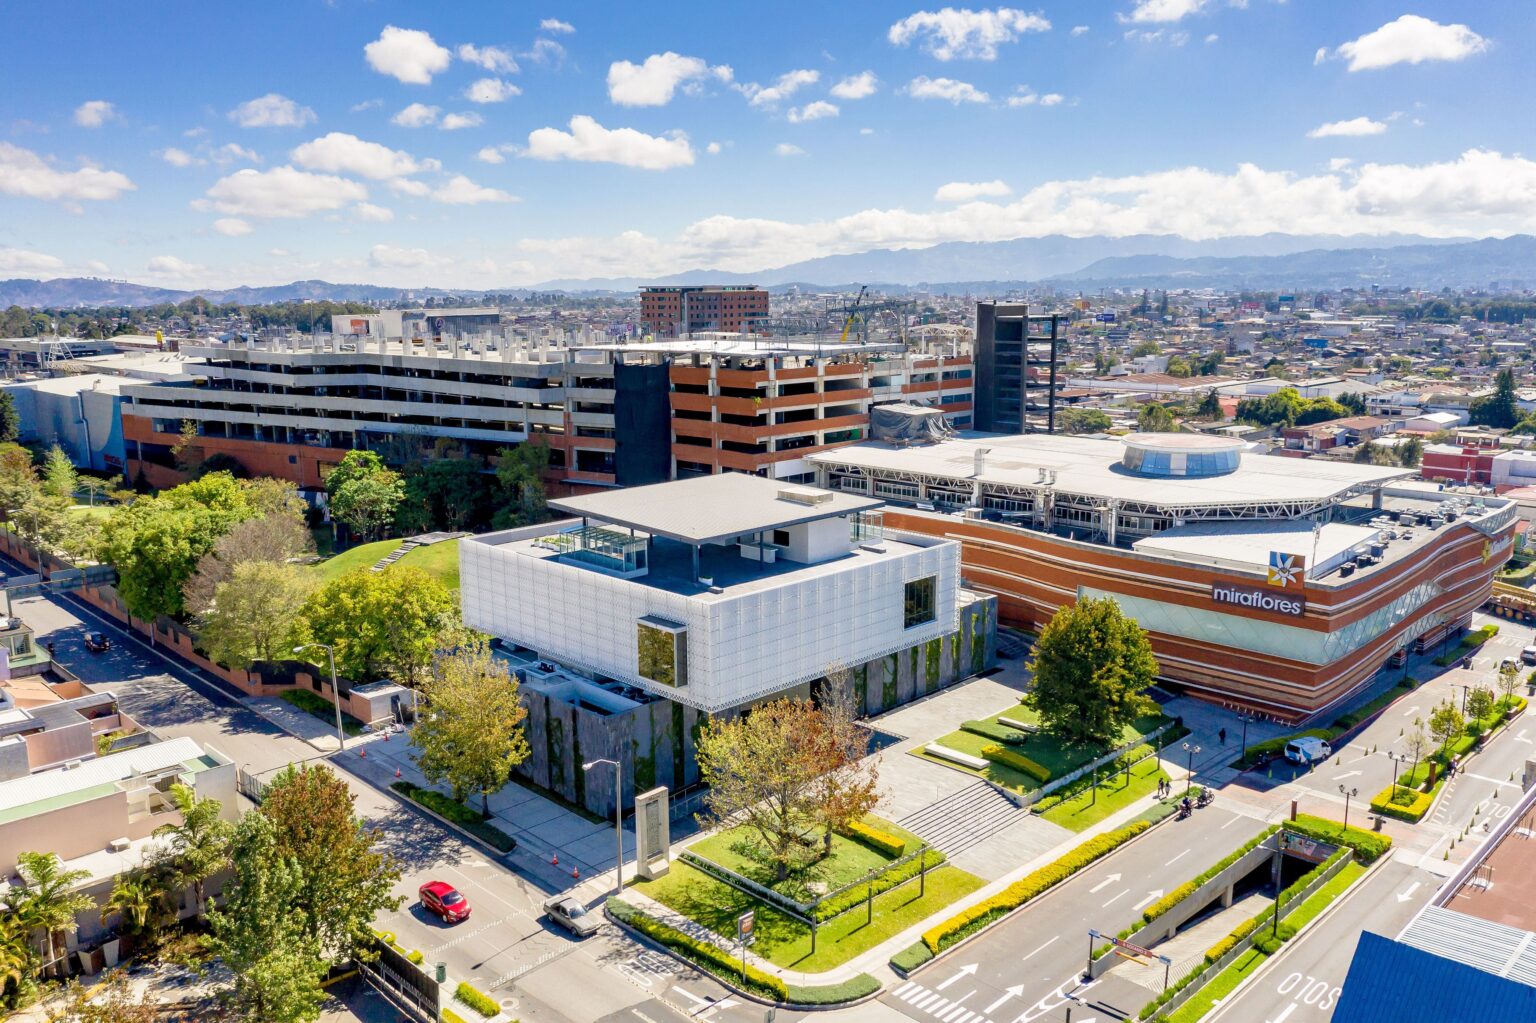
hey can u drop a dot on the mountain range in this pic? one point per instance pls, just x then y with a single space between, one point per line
1265 262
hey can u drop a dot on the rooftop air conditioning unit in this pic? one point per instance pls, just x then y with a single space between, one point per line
805 495
119 845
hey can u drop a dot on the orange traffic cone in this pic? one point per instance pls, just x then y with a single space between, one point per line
397 772
575 873
554 860
363 752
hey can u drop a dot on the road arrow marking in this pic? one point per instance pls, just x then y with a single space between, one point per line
1014 992
1347 774
968 970
1407 893
1111 879
1521 737
1151 897
1411 710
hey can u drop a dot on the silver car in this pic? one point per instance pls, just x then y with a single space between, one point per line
572 915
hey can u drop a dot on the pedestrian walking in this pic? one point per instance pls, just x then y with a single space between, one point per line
1222 735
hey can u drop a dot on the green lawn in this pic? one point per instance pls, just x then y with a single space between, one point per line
787 942
1309 910
1203 1000
848 862
1088 808
440 560
84 511
1054 754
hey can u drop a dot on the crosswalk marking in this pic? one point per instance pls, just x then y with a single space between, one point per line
908 986
934 1004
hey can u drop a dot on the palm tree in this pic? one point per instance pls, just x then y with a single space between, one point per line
200 843
135 898
46 899
15 957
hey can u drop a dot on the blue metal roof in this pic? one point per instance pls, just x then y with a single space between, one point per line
1390 982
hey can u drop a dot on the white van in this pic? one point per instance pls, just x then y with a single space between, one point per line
1307 750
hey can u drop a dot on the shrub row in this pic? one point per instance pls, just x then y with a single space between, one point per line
1017 761
449 1016
880 841
477 1000
850 990
458 813
994 731
911 957
1402 803
713 960
970 920
841 902
1369 846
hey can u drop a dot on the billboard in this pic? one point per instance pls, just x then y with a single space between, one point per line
1286 569
1257 599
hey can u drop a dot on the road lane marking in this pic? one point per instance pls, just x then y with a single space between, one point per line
1284 1014
1229 823
1111 879
1042 948
1115 896
1177 858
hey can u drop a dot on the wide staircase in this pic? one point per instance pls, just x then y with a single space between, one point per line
964 818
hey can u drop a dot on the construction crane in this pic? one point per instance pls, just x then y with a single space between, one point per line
848 323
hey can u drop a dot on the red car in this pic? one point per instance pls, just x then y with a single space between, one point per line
443 899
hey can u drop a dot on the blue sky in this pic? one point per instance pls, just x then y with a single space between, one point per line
497 144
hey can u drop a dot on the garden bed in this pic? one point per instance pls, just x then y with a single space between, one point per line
457 813
318 706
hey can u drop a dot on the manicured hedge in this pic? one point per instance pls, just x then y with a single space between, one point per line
713 960
1368 845
972 919
842 903
1189 888
1017 761
449 1016
850 990
911 957
477 1000
994 731
458 813
1388 803
880 841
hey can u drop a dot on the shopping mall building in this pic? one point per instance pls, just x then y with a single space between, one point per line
1278 585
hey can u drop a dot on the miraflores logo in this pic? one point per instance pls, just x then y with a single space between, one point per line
1258 600
1285 569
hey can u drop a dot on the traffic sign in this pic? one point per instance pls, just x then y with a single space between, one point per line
744 926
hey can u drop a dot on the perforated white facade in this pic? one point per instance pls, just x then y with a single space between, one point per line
755 639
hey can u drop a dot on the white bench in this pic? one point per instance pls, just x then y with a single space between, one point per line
955 756
1022 726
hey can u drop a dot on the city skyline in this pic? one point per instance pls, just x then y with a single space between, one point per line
487 147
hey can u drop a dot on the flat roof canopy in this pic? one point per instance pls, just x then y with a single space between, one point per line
713 509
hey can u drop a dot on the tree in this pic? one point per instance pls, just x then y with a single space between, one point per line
1210 406
59 476
1320 410
15 960
10 419
1415 746
343 879
199 844
271 538
1178 366
255 613
1508 682
111 1001
46 900
1479 703
1155 418
261 934
382 624
18 479
1082 420
849 787
1410 452
95 486
761 768
186 451
1447 725
444 493
1500 409
136 900
367 504
518 472
1091 666
1281 408
1354 401
473 735
1145 348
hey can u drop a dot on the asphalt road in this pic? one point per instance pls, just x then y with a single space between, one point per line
1023 970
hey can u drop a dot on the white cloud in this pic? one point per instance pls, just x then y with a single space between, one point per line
282 192
25 261
417 115
491 90
490 154
1079 30
411 187
556 25
966 191
1339 163
373 214
1354 127
962 33
1212 38
232 227
171 266
407 54
545 51
784 87
340 153
813 111
1163 11
1051 99
857 86
233 152
367 104
787 149
653 83
923 87
460 191
1161 35
493 58
713 149
94 113
1023 96
589 141
274 110
24 173
1411 39
453 122
395 257
177 157
866 131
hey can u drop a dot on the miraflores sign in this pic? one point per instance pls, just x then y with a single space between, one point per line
1257 599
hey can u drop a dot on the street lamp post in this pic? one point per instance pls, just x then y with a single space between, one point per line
1397 760
618 814
330 653
1190 780
1348 794
1247 717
